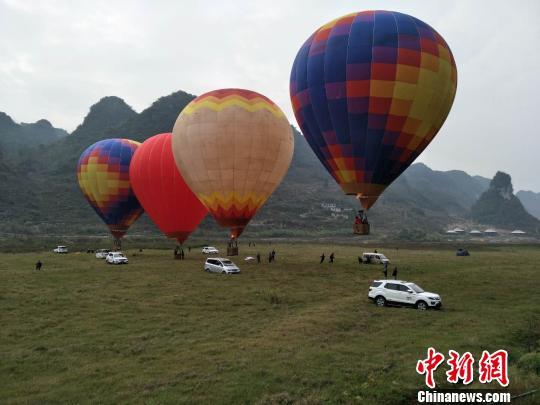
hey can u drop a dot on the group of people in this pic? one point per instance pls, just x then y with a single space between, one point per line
330 258
271 256
361 218
179 253
385 271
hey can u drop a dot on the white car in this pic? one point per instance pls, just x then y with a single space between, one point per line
102 253
116 258
220 265
60 249
210 250
403 293
374 258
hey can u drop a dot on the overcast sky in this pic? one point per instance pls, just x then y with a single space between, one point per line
59 57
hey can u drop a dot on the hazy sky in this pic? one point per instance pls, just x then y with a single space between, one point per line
58 57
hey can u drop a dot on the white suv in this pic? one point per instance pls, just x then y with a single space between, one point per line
397 292
374 258
210 250
60 249
116 258
219 265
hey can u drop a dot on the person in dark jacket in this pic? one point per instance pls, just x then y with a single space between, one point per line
332 257
394 273
258 257
39 265
322 258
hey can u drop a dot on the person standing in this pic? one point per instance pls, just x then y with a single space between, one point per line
39 265
273 255
359 259
332 257
322 258
258 258
394 273
269 257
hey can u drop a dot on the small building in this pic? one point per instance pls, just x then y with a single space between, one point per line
475 232
451 232
491 232
459 231
518 232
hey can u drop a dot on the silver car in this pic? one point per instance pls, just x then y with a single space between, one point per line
220 265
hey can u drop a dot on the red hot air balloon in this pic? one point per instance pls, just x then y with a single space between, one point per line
162 191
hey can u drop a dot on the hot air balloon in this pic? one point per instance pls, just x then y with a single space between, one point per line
162 191
103 175
233 148
370 90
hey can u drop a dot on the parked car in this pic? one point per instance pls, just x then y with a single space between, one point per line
402 293
209 250
102 253
220 265
116 258
462 252
377 258
60 249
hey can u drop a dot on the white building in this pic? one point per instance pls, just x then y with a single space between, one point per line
491 232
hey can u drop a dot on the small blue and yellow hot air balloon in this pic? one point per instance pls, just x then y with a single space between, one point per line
103 176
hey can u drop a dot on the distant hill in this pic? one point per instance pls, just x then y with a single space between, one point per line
531 202
41 196
499 207
15 138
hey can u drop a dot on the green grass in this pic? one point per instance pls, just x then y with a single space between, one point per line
163 331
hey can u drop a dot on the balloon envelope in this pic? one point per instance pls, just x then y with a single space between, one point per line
233 148
370 90
162 191
103 176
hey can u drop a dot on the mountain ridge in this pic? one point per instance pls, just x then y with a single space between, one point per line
422 201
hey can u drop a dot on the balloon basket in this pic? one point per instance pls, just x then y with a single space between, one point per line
361 229
232 251
117 244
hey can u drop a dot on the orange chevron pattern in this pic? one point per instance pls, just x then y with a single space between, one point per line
233 210
220 99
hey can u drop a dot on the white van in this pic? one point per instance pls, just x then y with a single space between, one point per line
377 258
220 265
60 249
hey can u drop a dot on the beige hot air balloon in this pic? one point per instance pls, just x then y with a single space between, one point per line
233 148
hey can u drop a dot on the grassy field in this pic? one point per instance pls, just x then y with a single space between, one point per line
163 331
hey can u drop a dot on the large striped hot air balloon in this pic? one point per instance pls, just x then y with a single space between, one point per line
370 90
162 191
103 175
233 148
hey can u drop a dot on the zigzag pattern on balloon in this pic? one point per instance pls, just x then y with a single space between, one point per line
247 100
232 200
